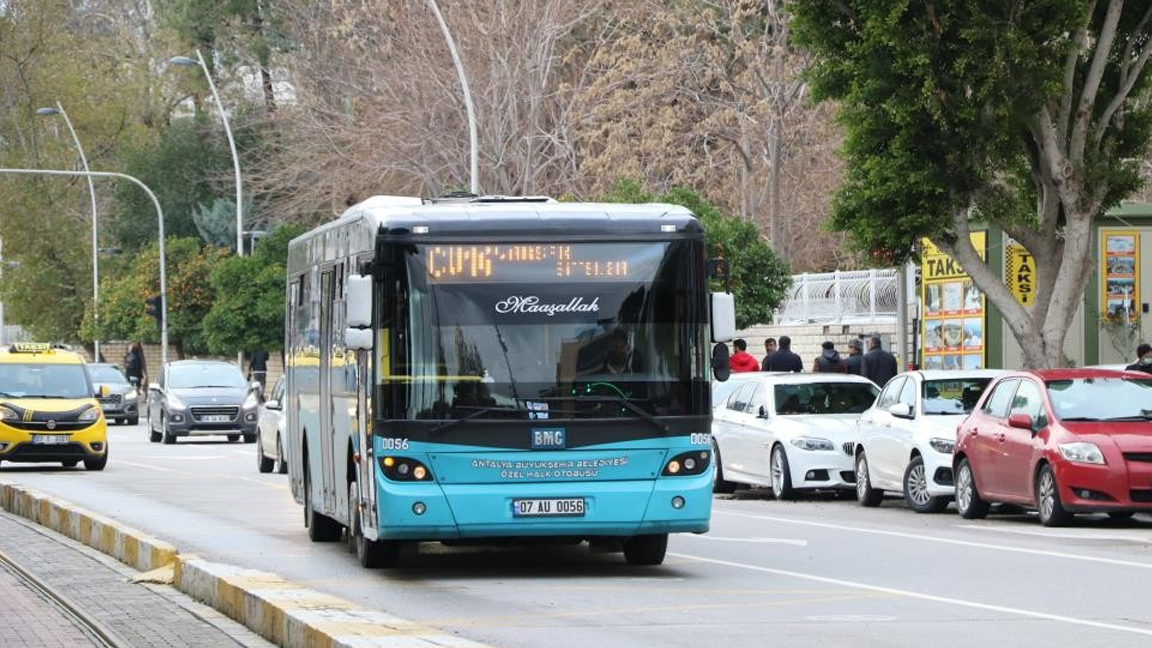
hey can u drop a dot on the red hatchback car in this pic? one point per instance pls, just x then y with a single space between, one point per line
1061 441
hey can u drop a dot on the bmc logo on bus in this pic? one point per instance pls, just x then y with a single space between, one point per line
547 438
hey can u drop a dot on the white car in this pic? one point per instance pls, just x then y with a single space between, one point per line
906 439
270 430
788 431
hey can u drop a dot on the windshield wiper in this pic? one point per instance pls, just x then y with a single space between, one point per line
1134 417
663 427
479 411
1082 419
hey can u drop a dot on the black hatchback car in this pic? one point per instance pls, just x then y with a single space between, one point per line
202 397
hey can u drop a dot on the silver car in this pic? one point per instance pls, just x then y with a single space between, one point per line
122 402
270 430
202 397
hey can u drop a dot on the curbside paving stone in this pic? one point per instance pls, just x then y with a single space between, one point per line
280 611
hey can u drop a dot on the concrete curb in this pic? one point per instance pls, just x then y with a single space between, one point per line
281 612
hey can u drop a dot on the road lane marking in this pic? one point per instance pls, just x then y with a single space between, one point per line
184 457
1139 536
880 589
148 466
962 543
786 541
202 475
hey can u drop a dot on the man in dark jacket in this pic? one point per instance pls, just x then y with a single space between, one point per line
1143 359
878 365
741 361
855 357
784 359
829 360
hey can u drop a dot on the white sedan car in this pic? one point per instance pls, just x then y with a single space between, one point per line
788 431
906 439
270 431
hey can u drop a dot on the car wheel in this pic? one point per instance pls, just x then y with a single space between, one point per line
865 494
135 420
968 501
719 484
71 463
1052 512
781 474
321 528
165 433
263 464
281 462
233 438
98 463
646 549
372 554
916 489
1120 515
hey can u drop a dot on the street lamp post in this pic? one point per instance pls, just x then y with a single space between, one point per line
59 110
185 61
160 220
474 165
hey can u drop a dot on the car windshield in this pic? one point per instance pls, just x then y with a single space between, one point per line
105 374
1101 399
953 396
43 381
824 398
205 375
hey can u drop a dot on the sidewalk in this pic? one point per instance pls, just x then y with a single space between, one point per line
144 616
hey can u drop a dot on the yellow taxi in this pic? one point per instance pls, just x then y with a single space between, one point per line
48 408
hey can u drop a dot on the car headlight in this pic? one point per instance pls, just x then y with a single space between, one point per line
944 446
1082 452
174 402
812 443
251 402
131 394
90 414
7 414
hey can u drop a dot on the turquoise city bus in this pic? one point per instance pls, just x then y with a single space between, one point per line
501 369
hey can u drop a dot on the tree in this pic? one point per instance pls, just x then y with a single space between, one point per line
248 310
124 298
1030 115
759 279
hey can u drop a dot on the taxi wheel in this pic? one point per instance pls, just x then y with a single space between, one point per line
71 463
97 463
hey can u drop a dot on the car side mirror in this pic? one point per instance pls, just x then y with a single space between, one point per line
102 391
255 386
763 413
272 404
900 410
1020 421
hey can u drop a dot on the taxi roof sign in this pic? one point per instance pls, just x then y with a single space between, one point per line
30 347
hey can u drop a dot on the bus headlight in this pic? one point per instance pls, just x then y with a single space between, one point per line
687 463
404 469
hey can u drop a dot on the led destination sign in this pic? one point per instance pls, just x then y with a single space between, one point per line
541 262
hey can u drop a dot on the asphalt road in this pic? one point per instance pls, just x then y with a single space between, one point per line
818 572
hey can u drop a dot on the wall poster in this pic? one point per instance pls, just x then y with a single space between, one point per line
952 314
1120 266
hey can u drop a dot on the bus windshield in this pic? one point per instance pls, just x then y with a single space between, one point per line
550 331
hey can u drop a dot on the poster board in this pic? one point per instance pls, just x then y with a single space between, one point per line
1119 269
953 312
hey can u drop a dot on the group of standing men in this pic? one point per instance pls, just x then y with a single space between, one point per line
877 365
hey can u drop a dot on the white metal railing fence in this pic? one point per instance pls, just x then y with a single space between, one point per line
852 296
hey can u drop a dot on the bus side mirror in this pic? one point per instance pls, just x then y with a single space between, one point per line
723 317
356 339
720 369
359 302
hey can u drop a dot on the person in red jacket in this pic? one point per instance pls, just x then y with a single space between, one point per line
741 360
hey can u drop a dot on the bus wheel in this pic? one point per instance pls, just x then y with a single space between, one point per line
646 549
321 528
372 554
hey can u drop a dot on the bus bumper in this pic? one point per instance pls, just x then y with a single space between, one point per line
611 508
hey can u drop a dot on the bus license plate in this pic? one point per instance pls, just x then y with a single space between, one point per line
217 418
567 507
50 439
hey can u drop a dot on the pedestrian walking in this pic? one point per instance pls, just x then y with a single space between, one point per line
855 358
741 361
829 360
134 365
769 349
783 359
258 368
1143 359
878 365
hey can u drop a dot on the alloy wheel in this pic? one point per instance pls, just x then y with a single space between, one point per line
1047 494
918 485
777 472
861 477
964 487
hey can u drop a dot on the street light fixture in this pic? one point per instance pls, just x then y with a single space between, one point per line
185 61
59 110
160 220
